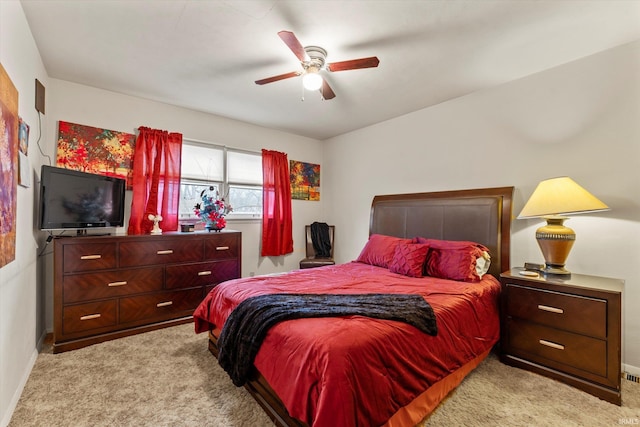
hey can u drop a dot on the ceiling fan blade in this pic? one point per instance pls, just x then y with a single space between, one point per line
326 91
354 64
294 44
278 77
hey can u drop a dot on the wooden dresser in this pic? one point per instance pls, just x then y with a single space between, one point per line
568 330
113 286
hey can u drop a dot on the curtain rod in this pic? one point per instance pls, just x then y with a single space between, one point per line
199 141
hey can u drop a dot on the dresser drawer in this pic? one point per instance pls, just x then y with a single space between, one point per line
138 253
223 246
88 257
540 342
108 284
84 317
201 274
163 305
574 313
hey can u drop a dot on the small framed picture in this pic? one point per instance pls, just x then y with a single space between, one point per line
23 136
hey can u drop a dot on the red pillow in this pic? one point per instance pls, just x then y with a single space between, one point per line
409 259
379 250
456 260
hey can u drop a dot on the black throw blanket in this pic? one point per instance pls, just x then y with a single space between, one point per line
246 327
320 239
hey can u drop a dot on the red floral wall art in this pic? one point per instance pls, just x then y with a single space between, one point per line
95 150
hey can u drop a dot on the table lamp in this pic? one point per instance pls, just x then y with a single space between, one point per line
552 200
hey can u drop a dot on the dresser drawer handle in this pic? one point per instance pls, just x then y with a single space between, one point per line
117 283
165 252
550 309
204 273
552 344
90 316
222 248
91 257
164 304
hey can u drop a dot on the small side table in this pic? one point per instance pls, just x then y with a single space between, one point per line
569 330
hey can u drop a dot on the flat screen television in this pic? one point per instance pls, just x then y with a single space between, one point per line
80 200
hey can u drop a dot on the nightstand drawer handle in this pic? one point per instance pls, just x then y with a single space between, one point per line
164 304
117 283
222 248
550 309
91 257
552 344
165 252
90 316
204 273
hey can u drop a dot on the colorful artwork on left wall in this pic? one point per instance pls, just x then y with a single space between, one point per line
95 150
305 180
8 167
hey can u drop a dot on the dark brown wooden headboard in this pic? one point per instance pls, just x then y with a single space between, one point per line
481 215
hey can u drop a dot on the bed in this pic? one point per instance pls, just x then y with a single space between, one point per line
359 370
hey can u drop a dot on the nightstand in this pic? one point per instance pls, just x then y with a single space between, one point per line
568 330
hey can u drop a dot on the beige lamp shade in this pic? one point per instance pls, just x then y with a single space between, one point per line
560 196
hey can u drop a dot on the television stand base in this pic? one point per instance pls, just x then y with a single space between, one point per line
83 232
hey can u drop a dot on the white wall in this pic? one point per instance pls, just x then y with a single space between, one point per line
20 291
580 119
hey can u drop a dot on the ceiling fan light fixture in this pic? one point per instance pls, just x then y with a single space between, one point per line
312 79
313 60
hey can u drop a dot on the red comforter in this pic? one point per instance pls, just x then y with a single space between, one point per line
358 371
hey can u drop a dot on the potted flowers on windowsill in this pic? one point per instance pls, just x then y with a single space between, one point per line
212 209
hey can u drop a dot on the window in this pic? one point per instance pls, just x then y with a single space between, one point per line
235 174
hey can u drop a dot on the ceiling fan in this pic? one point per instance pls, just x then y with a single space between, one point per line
313 60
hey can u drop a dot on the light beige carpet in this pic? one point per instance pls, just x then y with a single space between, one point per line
168 378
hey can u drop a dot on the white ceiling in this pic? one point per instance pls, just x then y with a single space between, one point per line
206 54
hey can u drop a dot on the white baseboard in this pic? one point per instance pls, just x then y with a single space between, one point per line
16 396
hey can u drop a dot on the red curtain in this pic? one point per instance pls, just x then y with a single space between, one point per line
156 180
277 234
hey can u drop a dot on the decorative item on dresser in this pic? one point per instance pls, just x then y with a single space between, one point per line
212 210
107 287
568 330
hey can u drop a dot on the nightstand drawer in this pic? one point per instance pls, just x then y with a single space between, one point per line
540 343
574 313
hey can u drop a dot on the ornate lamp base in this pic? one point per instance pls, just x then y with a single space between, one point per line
555 241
